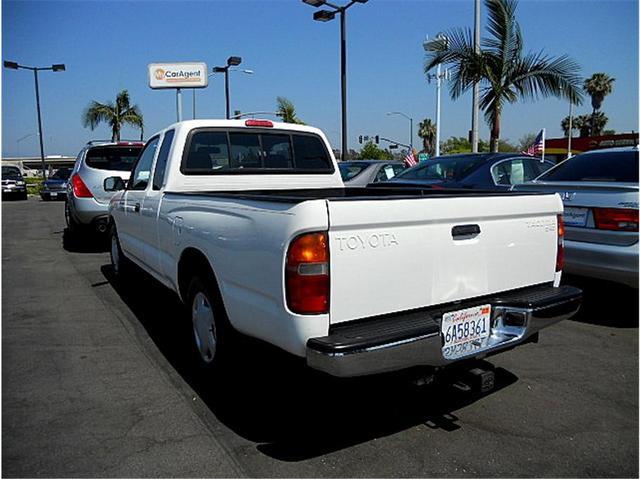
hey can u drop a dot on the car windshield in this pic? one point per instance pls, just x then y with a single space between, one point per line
116 158
446 169
10 172
349 170
618 166
61 174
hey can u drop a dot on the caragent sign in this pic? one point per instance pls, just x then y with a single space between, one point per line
178 75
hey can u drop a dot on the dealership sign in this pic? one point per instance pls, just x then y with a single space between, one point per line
178 75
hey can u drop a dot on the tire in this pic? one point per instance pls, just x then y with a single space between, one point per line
120 265
72 224
213 335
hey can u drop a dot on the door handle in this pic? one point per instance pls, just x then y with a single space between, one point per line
465 231
136 208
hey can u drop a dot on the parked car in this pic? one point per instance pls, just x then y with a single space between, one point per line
87 204
492 171
600 193
363 172
13 184
55 187
250 224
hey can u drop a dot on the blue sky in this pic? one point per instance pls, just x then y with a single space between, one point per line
106 47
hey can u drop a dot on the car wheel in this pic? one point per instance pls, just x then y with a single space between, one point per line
212 333
119 263
72 224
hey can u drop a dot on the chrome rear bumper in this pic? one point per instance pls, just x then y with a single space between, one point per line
397 342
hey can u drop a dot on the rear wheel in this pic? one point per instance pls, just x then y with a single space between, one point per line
119 263
72 224
212 332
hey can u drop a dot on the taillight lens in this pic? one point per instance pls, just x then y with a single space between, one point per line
80 190
560 253
263 123
307 274
616 219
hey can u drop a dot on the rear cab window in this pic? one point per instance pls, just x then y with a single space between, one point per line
619 166
114 158
213 151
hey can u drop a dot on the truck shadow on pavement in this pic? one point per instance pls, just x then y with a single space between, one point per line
83 242
605 303
271 398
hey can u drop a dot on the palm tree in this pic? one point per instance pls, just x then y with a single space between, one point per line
427 131
287 111
597 122
582 123
597 87
122 113
564 124
503 72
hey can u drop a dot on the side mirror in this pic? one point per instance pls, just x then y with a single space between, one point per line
114 183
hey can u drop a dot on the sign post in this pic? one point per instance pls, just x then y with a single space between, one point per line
178 76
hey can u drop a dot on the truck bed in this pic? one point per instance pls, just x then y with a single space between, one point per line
295 196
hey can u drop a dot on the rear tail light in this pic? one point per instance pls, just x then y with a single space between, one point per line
264 123
307 274
616 219
80 190
560 253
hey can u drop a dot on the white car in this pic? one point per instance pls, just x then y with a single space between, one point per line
249 222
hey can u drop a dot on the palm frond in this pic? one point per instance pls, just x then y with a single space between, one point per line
505 38
539 75
96 113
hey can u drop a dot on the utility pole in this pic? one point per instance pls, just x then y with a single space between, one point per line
476 87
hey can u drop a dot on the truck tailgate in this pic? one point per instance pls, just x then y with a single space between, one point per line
393 255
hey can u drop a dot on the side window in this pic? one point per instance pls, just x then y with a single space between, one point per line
161 162
208 151
542 166
310 153
140 174
385 173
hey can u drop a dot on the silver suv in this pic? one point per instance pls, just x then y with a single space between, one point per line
87 203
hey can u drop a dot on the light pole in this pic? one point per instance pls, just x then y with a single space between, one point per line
476 85
569 154
410 120
56 68
439 76
326 16
248 72
231 61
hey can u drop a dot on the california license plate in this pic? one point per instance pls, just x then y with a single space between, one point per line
54 195
575 216
464 331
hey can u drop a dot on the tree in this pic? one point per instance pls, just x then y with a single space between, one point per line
582 123
564 124
427 132
503 72
597 122
287 111
116 115
371 151
526 141
609 132
597 86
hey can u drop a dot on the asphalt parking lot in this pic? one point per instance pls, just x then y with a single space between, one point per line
98 380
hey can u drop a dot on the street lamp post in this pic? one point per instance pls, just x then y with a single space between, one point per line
231 61
439 76
219 70
326 16
56 68
411 122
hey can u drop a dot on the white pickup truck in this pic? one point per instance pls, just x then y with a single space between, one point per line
251 225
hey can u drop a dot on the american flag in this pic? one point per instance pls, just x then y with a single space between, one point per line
537 148
410 160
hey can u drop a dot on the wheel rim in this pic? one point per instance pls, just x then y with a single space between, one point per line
115 254
204 328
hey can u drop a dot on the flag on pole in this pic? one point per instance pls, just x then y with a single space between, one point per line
537 148
410 160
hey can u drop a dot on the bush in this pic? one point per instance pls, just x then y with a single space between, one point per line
34 185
